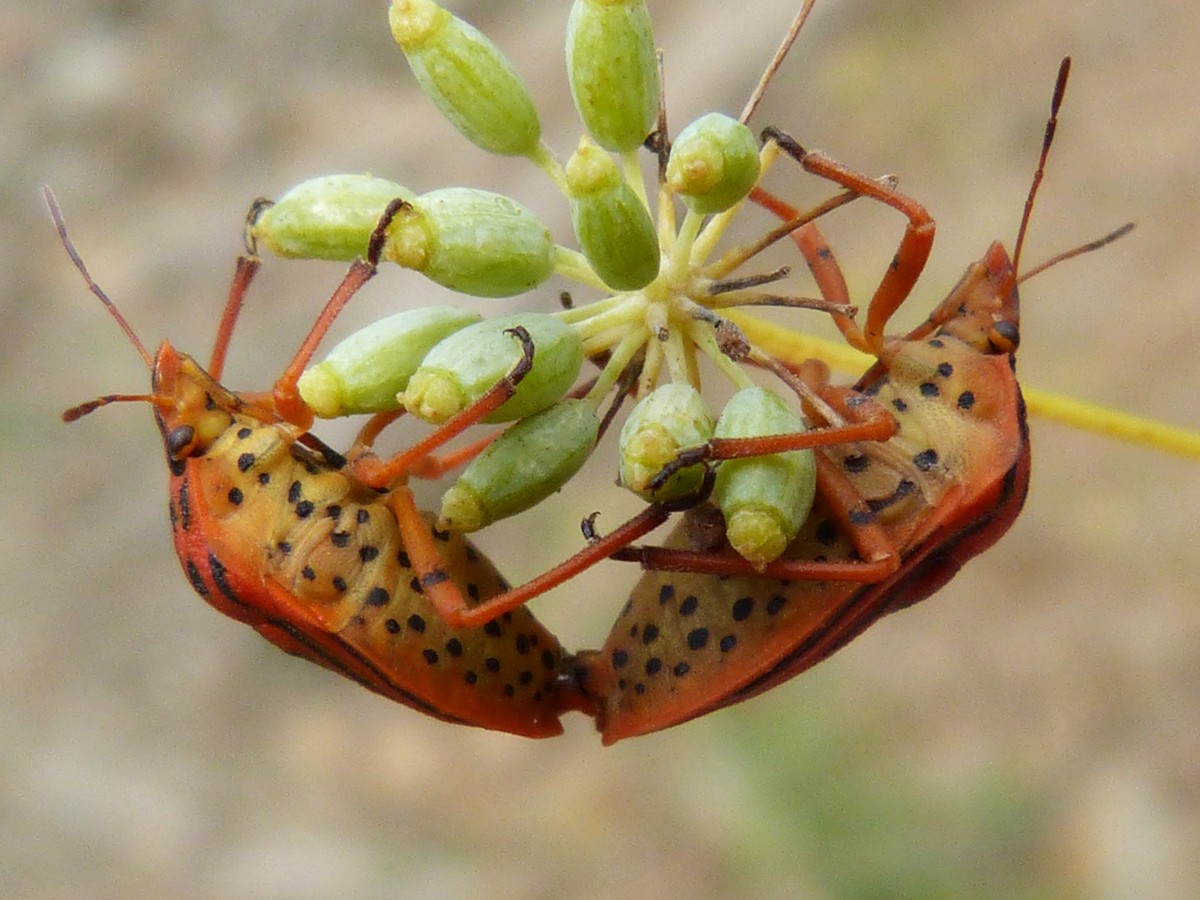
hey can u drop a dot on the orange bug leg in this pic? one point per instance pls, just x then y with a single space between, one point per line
897 283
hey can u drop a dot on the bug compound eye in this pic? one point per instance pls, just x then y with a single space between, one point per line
179 439
1004 337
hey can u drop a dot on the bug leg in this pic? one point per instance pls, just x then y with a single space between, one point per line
420 545
914 246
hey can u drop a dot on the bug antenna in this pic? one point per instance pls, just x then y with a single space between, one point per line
1060 88
1078 251
61 225
777 60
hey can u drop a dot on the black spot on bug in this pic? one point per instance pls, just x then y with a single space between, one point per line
197 580
236 496
650 635
245 462
295 492
416 623
899 405
493 629
966 400
368 552
378 597
308 574
333 511
666 593
775 604
473 591
633 632
855 462
244 433
826 533
639 688
177 466
548 661
340 538
339 582
860 517
697 638
392 626
264 478
926 460
728 642
681 669
929 389
470 677
429 579
523 644
431 656
525 678
284 547
454 647
620 659
492 664
938 343
414 585
403 559
945 369
510 691
362 516
742 608
472 554
304 509
653 665
689 605
904 487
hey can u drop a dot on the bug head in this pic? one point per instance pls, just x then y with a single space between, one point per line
190 405
984 309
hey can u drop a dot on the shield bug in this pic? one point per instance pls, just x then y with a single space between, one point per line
273 529
893 521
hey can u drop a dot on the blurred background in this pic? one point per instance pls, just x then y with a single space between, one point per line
1033 730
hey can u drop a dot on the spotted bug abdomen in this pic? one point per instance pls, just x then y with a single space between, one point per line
280 539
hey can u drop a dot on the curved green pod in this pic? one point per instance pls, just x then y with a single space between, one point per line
467 364
467 77
472 241
671 418
365 372
613 70
765 499
522 467
330 217
714 163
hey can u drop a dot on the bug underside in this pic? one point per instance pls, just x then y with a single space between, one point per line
271 534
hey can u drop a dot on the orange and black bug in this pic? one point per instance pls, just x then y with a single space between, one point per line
273 530
895 519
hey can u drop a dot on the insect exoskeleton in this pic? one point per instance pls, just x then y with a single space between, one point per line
893 520
273 529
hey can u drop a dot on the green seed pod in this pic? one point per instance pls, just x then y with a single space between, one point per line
670 418
613 70
472 241
714 162
469 363
365 372
467 77
522 467
611 223
330 217
765 499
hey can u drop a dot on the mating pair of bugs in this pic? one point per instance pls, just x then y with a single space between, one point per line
922 464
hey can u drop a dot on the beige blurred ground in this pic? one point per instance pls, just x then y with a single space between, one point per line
1032 731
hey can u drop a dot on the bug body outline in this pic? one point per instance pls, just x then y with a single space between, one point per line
698 633
272 529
